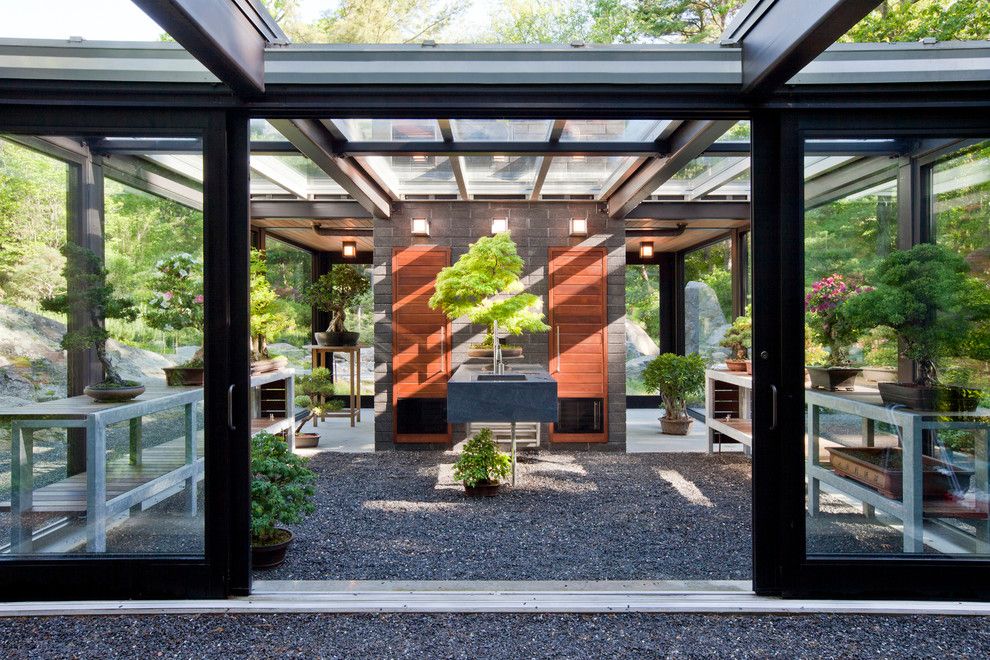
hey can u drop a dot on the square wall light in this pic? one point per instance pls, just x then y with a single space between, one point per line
579 226
349 249
420 227
646 250
500 225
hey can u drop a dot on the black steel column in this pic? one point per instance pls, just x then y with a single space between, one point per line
670 318
85 228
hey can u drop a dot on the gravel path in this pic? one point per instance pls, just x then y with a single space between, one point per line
573 516
496 636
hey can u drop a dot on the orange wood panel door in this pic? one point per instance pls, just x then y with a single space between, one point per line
421 349
579 342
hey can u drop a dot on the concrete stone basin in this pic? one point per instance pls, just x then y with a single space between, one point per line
526 394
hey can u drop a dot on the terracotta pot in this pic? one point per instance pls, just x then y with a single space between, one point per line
183 376
270 556
735 365
833 379
675 426
271 364
116 395
483 489
749 367
307 440
880 468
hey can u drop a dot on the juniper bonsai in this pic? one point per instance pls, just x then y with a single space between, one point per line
337 291
88 292
739 337
484 286
281 488
674 377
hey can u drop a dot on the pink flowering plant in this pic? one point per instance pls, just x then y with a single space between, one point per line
828 324
176 302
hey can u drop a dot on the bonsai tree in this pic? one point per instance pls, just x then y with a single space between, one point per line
739 337
270 315
829 327
315 386
928 298
674 377
177 298
481 462
484 286
337 291
88 291
281 489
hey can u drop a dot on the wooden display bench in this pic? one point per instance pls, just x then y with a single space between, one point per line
727 408
322 356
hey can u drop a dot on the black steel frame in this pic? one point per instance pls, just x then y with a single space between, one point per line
781 562
227 532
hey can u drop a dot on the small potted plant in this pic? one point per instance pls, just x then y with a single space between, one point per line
927 296
833 330
270 316
281 494
177 304
739 339
481 466
316 389
674 377
90 292
484 285
336 292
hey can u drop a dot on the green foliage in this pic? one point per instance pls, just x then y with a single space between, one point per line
912 20
270 315
484 285
289 273
675 378
711 266
739 336
849 236
312 387
823 310
337 291
814 354
695 21
89 292
928 298
281 487
643 298
385 21
481 462
879 347
177 299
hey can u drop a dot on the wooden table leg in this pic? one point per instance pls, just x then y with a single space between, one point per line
96 486
357 383
813 431
869 440
350 397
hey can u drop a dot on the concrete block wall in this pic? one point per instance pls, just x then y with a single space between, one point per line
535 227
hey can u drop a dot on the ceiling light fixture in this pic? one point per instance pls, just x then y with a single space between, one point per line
419 158
349 249
646 250
500 225
500 158
420 227
579 226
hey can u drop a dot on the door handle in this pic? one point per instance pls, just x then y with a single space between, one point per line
443 349
556 345
230 408
773 408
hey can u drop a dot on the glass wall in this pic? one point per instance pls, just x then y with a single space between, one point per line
896 346
290 271
708 300
101 367
360 319
642 323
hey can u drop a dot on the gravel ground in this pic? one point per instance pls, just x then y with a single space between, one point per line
496 636
572 516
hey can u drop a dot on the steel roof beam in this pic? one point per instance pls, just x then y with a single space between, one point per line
315 142
318 210
455 161
227 36
541 175
780 37
687 143
690 211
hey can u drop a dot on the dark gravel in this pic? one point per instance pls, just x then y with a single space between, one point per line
572 516
496 636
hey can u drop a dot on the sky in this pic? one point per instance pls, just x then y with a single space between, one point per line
116 20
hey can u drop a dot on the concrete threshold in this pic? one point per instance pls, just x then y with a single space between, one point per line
674 597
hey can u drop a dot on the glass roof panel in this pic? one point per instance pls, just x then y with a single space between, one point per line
577 175
415 175
390 130
262 130
612 130
93 20
295 174
501 130
738 133
491 175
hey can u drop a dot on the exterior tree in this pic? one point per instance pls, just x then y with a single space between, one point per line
484 286
912 20
177 300
269 314
693 21
387 21
89 292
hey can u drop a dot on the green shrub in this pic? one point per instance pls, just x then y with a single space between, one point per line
739 336
281 488
675 378
337 291
481 461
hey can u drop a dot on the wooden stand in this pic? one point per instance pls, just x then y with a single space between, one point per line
727 399
322 356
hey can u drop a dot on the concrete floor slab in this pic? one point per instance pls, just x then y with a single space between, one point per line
643 435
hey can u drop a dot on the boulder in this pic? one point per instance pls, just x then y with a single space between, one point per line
639 342
704 322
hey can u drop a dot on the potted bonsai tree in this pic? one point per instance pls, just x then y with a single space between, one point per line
89 292
481 466
927 296
270 316
830 328
336 292
281 494
739 339
177 304
484 286
674 377
316 388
